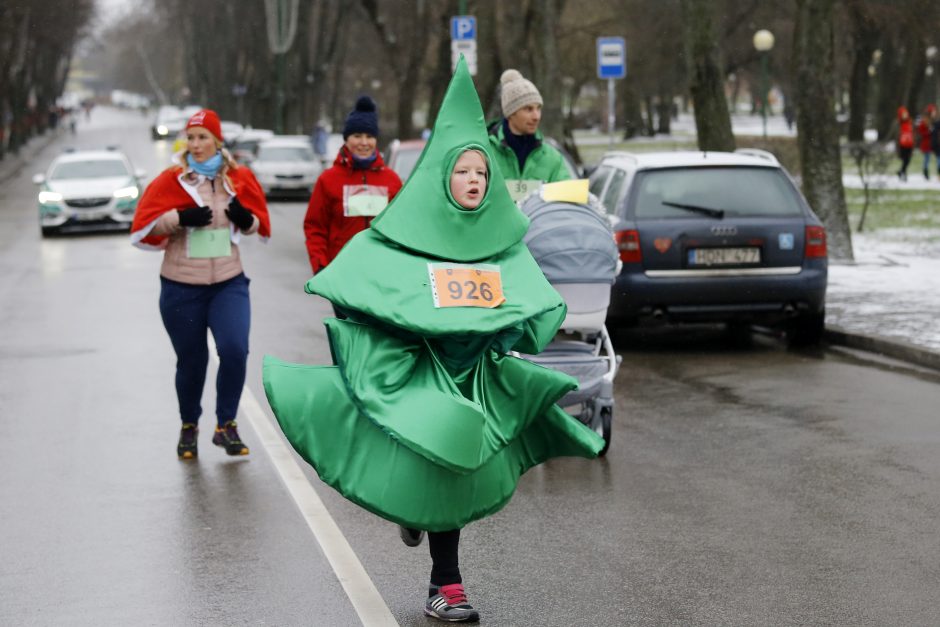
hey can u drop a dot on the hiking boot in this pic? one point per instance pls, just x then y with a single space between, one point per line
449 603
227 437
186 449
411 537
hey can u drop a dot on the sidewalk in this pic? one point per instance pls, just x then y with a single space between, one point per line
13 163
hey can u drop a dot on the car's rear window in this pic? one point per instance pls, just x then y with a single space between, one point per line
737 191
101 168
285 153
405 161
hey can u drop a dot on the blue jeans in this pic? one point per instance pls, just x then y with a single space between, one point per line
188 312
926 163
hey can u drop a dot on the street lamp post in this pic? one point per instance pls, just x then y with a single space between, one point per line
763 42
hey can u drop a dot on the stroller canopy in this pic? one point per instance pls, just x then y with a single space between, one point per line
572 243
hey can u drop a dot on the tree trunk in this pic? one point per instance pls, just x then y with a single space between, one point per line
712 122
818 132
866 33
547 66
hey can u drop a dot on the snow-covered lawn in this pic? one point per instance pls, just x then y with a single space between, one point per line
892 289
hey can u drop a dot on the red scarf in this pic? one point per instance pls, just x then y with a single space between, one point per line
166 194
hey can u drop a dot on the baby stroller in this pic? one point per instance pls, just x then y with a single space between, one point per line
574 246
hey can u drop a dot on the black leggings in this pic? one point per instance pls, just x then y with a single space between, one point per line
905 154
444 567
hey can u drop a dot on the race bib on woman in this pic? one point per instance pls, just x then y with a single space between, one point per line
364 200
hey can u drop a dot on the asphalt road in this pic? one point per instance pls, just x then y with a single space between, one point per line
746 485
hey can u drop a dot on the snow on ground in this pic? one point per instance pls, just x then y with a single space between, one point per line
892 289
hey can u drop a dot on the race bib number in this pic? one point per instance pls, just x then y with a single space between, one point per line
364 200
520 188
208 243
466 285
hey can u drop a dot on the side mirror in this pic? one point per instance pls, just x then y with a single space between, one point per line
39 179
139 174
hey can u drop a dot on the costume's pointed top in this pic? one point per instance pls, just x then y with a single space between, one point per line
424 216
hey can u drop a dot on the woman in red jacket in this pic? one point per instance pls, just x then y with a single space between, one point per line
350 193
924 130
905 140
196 213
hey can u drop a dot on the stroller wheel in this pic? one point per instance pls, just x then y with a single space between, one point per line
602 427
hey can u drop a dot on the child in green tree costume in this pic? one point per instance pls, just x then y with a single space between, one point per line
425 419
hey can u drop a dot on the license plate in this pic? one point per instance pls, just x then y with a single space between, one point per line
89 216
723 256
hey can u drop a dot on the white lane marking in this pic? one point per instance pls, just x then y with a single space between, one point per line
362 593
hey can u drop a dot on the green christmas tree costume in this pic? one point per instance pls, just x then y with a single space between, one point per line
425 419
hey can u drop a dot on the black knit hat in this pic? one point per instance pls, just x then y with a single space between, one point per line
362 119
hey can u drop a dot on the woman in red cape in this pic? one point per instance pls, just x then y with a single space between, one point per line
196 212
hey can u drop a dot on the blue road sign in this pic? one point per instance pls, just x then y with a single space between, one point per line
611 57
463 27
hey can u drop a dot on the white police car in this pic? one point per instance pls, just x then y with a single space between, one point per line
88 190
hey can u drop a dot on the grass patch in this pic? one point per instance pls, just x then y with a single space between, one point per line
895 209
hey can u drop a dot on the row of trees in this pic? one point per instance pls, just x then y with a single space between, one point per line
37 38
858 59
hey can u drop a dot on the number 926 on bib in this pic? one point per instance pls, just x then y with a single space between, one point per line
466 285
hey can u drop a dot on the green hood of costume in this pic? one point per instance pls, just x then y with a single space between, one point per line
423 217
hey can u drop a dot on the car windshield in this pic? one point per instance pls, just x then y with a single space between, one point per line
735 191
285 153
93 169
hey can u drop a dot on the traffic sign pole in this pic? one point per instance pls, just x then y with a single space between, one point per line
611 64
611 115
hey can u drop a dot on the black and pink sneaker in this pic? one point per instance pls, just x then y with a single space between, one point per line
449 603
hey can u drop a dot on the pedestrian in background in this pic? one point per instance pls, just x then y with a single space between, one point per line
519 148
935 135
924 131
196 212
352 191
905 140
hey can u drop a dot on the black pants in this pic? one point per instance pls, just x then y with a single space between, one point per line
905 154
444 567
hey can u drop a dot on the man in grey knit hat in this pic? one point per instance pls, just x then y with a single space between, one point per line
522 156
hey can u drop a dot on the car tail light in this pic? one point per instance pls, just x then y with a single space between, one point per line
628 242
815 242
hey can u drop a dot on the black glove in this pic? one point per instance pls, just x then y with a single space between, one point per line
240 217
195 216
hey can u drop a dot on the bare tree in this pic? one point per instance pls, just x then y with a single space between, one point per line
818 135
403 32
712 121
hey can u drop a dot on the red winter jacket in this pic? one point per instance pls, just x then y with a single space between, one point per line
923 130
326 226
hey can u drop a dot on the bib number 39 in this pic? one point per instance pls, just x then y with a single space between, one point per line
466 285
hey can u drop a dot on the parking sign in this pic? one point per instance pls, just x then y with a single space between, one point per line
611 57
463 27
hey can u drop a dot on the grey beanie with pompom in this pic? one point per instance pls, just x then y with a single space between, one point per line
517 92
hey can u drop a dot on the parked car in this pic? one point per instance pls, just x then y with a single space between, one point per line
170 120
88 190
286 165
402 156
713 237
231 131
243 147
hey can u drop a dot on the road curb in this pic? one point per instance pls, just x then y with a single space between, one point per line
894 348
13 163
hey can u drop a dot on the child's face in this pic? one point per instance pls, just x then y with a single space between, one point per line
468 180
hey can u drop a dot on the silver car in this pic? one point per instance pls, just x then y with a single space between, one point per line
88 190
286 165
